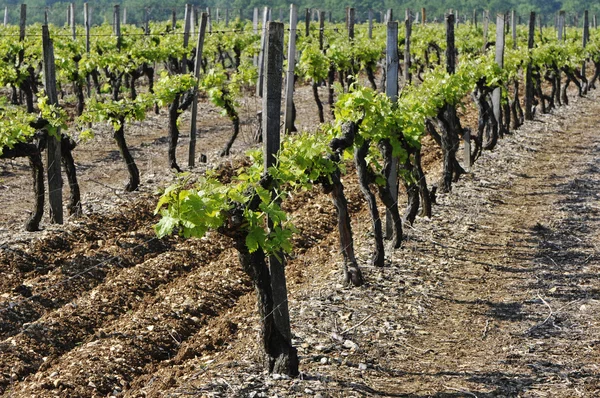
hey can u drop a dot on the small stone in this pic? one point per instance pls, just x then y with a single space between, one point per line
349 344
337 337
324 360
308 391
362 366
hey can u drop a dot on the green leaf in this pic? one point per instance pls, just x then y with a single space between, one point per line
165 226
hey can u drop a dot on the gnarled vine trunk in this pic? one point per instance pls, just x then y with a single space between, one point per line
235 121
134 173
487 125
173 133
352 273
280 356
385 193
67 146
364 180
450 126
335 188
315 90
32 152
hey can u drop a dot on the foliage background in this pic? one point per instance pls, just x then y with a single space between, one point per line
161 10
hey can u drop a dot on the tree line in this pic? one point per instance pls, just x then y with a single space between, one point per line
159 10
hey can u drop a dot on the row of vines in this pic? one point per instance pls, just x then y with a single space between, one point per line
121 74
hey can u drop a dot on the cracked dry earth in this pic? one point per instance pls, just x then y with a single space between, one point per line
497 295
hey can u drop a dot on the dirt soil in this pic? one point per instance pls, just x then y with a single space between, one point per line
496 296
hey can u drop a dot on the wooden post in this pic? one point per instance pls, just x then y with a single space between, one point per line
497 93
467 149
68 15
513 21
197 68
116 20
255 31
193 21
423 16
329 17
146 21
117 26
187 19
208 20
307 22
227 17
408 27
255 20
528 74
450 45
586 37
391 90
22 23
53 152
124 15
173 19
351 14
6 16
72 21
389 16
271 143
594 22
346 17
321 29
218 15
486 24
86 25
289 77
561 25
370 24
261 54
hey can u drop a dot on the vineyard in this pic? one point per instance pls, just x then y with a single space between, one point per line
377 209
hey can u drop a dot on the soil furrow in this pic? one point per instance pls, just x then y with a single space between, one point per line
120 350
60 331
73 275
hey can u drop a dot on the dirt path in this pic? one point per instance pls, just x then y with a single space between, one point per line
496 296
518 311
